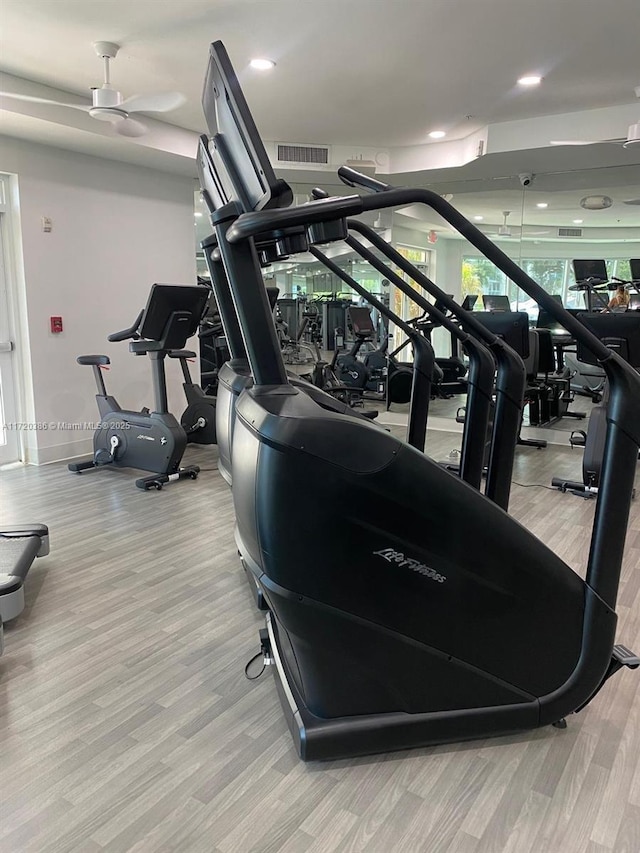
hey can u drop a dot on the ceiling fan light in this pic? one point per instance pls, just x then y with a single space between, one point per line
104 96
109 114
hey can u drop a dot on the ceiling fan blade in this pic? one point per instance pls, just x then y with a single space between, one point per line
131 127
163 102
587 142
33 100
635 201
573 142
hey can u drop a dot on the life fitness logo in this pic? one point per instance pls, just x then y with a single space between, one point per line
397 557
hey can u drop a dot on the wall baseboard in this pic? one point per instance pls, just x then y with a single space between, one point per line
64 452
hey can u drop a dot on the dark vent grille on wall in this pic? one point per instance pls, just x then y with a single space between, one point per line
569 232
302 154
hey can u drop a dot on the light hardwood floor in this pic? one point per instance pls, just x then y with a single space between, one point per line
127 723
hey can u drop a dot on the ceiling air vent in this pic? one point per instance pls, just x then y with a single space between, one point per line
569 232
303 153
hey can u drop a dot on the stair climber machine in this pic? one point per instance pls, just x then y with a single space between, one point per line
151 441
621 333
390 632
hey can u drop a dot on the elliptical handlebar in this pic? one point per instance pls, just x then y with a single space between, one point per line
128 334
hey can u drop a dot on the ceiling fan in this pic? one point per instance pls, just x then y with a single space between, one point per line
632 138
108 104
504 230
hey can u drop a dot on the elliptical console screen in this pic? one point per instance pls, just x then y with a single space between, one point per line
634 263
584 269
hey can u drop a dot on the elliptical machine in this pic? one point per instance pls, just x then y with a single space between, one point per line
152 441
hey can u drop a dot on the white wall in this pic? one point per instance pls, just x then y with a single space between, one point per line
117 229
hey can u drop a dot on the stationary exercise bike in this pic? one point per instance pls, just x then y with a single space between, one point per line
152 441
621 333
199 418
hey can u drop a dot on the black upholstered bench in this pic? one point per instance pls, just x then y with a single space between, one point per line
19 546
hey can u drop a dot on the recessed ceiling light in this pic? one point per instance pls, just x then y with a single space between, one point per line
437 134
478 218
262 64
542 205
530 80
197 213
578 221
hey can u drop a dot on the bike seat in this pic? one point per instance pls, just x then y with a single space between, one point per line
181 353
93 359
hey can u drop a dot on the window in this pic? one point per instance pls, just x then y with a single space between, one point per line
555 275
480 276
402 305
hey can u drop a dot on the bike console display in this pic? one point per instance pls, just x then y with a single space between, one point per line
173 313
361 322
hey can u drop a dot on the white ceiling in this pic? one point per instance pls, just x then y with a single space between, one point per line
360 72
372 74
